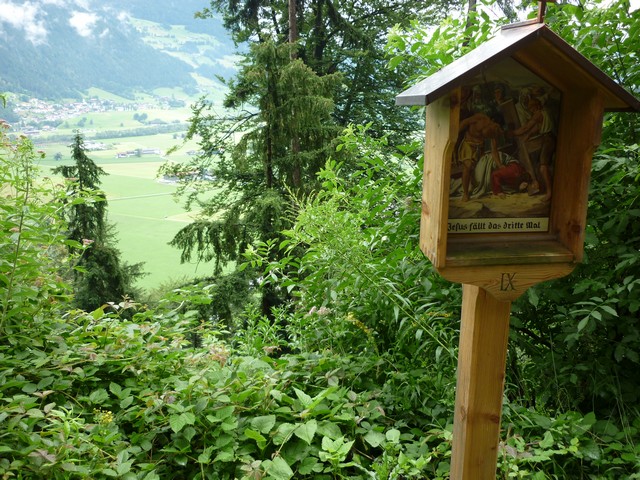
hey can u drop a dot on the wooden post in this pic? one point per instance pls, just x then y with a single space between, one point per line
484 336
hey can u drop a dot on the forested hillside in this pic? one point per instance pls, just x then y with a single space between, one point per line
54 50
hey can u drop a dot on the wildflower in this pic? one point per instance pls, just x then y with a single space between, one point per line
219 353
86 242
103 417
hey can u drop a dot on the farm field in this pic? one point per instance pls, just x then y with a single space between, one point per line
144 210
146 216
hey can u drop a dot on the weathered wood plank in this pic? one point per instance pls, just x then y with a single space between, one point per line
484 333
442 119
507 252
506 282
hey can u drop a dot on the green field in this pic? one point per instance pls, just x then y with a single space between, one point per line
143 209
146 217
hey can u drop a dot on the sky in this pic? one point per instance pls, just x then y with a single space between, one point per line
30 18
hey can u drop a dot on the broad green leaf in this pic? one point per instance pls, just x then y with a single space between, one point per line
255 435
224 456
591 450
375 439
35 413
393 435
178 421
583 323
329 429
115 389
533 297
547 440
264 423
308 465
189 432
223 440
277 469
99 396
283 433
589 419
205 456
303 397
29 388
221 414
541 420
344 449
306 431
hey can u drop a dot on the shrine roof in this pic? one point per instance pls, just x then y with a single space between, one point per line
536 47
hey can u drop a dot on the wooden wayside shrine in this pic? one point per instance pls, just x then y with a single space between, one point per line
511 128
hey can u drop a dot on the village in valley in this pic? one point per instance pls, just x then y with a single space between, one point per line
48 122
40 117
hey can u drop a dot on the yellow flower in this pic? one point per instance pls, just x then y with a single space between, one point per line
103 417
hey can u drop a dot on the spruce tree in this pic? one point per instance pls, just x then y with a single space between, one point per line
311 69
258 157
100 276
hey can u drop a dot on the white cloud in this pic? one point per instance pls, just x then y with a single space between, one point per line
24 17
230 61
83 22
57 3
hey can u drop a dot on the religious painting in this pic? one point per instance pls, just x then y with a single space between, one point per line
502 162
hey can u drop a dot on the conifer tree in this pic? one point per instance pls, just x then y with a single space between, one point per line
311 69
257 157
100 276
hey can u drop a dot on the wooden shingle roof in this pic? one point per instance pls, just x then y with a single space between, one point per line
540 50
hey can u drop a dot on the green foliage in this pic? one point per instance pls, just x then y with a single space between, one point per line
250 154
352 263
99 277
86 218
32 234
103 396
563 326
346 37
422 50
593 313
353 377
561 446
255 158
607 34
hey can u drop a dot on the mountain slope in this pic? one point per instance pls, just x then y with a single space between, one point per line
59 48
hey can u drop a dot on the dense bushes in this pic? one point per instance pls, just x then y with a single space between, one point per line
364 390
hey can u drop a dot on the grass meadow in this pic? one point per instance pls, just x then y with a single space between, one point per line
144 211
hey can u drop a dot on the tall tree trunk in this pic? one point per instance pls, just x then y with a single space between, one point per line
293 27
296 176
473 8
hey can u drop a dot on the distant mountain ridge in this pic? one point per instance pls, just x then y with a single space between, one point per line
56 49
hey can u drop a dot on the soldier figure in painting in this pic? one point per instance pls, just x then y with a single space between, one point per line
540 124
